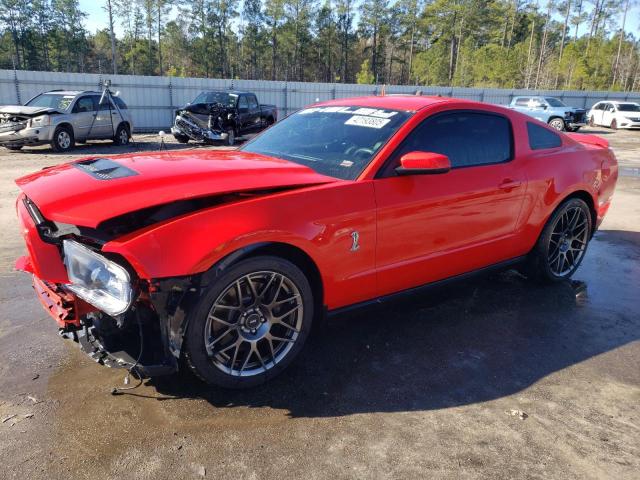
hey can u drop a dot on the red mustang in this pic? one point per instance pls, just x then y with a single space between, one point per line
226 258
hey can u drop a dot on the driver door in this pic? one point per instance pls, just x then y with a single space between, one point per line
432 227
84 117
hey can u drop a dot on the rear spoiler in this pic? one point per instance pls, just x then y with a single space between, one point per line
587 139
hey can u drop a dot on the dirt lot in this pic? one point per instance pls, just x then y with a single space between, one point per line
419 390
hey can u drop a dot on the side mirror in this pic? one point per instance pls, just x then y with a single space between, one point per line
423 163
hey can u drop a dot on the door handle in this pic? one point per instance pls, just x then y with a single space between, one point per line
508 184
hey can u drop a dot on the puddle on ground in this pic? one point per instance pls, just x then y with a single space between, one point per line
580 290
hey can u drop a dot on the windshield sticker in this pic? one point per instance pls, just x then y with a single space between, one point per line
65 102
369 112
346 163
369 122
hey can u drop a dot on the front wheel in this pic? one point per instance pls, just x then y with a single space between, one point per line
62 139
563 242
231 137
557 123
181 138
250 324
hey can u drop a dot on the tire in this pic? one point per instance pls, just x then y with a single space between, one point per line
181 138
122 135
14 148
557 123
240 344
63 140
231 137
614 124
554 257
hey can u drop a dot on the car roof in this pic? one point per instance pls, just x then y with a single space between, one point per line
234 92
394 102
619 102
72 92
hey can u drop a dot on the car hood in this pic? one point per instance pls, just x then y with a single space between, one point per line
27 111
89 191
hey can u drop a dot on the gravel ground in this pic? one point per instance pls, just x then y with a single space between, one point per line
489 379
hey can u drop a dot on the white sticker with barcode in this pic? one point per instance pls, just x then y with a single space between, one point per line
369 122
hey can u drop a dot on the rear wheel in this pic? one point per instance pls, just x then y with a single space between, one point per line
557 123
62 139
122 135
563 242
251 323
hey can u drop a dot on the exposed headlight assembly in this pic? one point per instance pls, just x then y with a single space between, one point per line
41 121
97 280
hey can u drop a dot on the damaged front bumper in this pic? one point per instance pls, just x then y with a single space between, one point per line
147 337
186 126
22 135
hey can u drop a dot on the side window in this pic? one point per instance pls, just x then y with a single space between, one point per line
253 102
242 103
84 104
541 138
522 101
467 138
105 102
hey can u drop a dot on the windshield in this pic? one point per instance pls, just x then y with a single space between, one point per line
554 102
335 141
226 99
628 107
51 100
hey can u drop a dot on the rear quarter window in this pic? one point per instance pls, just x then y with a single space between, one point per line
540 138
120 103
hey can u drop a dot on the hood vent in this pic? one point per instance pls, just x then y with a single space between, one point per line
104 169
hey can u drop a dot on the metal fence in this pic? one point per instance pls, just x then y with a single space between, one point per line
152 100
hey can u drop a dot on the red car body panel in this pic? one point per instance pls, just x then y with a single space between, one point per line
73 197
412 229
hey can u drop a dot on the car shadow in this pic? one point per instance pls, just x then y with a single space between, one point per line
476 341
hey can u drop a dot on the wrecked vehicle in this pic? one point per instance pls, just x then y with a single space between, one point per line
62 118
222 116
221 261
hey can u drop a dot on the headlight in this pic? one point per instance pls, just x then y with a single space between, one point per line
101 282
41 121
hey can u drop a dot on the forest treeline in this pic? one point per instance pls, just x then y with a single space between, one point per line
557 44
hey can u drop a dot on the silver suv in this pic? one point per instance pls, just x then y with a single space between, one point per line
61 118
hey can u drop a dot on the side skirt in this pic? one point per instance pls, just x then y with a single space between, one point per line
415 291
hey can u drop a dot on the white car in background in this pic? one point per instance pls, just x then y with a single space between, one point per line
615 114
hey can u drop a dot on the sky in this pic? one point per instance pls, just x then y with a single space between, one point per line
97 18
